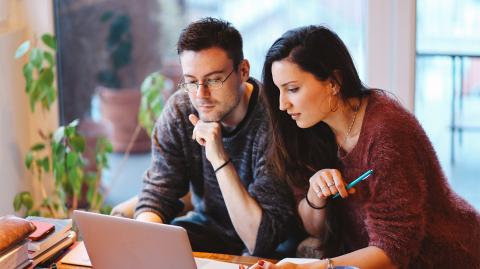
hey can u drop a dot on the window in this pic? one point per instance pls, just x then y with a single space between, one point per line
116 43
448 87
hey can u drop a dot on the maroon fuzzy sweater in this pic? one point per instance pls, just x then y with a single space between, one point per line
406 208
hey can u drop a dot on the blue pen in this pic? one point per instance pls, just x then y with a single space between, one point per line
356 181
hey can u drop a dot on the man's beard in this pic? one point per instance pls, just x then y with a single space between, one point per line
218 116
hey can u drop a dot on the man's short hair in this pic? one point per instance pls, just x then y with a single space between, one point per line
210 32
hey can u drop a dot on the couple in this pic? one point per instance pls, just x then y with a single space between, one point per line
262 162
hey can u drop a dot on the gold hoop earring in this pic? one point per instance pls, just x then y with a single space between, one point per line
330 104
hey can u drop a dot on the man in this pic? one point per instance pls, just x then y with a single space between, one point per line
211 139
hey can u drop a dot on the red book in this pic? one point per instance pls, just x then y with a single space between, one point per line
43 229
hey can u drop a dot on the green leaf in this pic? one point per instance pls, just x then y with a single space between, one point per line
106 210
78 143
146 84
46 164
59 173
28 71
50 41
17 202
156 103
108 147
56 149
33 213
69 131
22 49
46 76
49 57
39 163
37 147
32 90
28 160
36 57
71 128
72 159
143 118
152 100
27 200
32 104
150 97
44 101
75 177
34 94
51 96
91 190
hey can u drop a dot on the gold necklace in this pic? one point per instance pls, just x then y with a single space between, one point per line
349 130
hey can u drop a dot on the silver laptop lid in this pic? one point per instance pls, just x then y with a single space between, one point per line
114 242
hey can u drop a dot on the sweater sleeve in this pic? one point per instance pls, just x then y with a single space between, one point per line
278 207
166 180
395 217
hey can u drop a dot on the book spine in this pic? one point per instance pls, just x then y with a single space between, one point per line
14 258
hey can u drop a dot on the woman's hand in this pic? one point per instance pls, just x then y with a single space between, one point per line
327 182
268 265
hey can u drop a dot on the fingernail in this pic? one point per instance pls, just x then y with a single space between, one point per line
261 263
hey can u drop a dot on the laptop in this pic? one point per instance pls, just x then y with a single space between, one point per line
115 242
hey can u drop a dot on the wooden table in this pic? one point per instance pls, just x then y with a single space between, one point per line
245 260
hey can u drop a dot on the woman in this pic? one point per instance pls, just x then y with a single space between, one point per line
404 215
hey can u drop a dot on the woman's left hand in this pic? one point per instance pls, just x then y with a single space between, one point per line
328 182
268 265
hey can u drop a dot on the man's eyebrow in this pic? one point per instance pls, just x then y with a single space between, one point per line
206 75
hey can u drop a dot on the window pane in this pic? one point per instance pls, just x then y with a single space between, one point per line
116 43
447 99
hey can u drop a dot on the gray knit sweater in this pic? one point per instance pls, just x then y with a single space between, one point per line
179 164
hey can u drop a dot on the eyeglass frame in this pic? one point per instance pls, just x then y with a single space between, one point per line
205 84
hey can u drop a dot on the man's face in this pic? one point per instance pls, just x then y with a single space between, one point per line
207 65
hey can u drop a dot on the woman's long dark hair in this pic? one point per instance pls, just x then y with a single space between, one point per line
298 153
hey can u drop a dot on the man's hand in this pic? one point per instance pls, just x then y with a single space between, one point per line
149 217
209 135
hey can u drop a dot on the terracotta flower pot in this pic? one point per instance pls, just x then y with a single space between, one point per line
119 109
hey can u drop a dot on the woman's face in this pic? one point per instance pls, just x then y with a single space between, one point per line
302 95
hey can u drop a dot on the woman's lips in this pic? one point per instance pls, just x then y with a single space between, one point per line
294 116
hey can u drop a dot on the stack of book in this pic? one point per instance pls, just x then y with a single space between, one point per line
13 242
16 257
50 239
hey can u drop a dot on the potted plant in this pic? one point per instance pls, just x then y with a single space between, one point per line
58 157
119 105
153 97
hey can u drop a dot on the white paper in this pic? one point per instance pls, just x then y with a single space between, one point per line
298 260
212 264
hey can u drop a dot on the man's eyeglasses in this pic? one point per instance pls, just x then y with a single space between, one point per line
212 84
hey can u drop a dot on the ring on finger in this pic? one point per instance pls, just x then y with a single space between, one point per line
331 184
